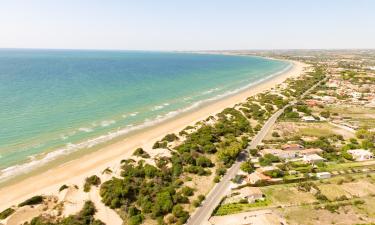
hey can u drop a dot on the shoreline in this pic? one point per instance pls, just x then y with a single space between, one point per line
76 170
54 157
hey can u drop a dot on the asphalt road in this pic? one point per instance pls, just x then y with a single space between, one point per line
213 199
203 214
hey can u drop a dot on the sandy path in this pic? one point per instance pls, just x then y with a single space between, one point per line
75 171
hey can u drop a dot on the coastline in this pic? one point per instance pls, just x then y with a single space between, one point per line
75 171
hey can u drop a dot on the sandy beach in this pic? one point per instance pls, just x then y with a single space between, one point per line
75 171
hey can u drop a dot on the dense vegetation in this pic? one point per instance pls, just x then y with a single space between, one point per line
147 189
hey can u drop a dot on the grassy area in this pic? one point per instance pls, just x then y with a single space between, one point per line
333 191
309 215
317 130
355 112
287 194
239 207
343 166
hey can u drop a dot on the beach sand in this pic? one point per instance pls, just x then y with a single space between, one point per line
75 171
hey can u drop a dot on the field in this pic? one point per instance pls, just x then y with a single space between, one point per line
315 129
365 116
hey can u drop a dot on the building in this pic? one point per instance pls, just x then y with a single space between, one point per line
356 95
310 151
361 154
288 147
256 176
308 119
312 102
279 153
313 158
328 99
251 193
266 168
323 175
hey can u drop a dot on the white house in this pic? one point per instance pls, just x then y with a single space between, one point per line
356 95
308 118
313 158
323 175
361 154
251 193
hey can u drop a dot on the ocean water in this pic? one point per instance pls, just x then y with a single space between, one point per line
54 102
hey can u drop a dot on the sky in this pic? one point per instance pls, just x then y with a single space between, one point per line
187 24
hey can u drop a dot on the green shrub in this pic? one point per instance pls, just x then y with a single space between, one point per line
93 180
7 212
247 167
187 191
63 187
141 153
32 201
170 137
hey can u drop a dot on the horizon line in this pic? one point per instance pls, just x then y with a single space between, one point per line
187 50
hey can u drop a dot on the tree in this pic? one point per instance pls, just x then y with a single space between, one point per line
163 203
367 144
275 134
93 180
325 114
187 191
268 159
254 152
346 155
247 167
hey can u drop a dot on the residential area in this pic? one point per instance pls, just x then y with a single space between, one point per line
316 165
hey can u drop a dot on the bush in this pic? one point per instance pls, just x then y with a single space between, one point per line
254 152
187 191
347 156
158 144
221 171
136 220
217 179
325 114
321 197
204 161
247 167
170 137
32 201
244 201
275 134
198 201
141 153
4 214
93 180
63 187
274 173
268 159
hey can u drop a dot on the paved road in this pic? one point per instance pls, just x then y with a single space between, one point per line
203 214
213 199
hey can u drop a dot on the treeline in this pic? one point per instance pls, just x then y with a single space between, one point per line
297 87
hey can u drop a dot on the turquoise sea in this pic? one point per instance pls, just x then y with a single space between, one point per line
54 102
